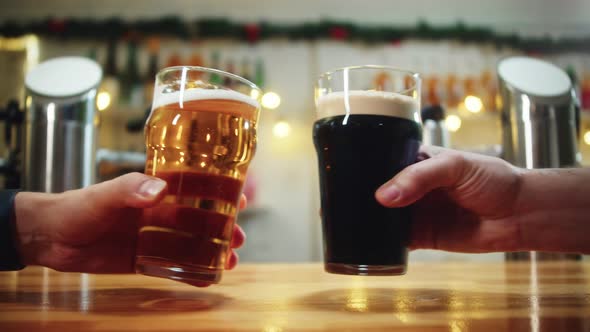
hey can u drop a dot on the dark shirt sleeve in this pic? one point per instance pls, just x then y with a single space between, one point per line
9 257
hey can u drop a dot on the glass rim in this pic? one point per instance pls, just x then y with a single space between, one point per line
209 70
413 74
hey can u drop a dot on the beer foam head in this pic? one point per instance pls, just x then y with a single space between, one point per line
368 103
180 97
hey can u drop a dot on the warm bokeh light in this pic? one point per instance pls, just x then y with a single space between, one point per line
453 122
272 328
103 100
255 94
281 129
587 137
271 100
473 104
499 102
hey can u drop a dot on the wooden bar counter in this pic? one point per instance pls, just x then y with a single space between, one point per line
451 297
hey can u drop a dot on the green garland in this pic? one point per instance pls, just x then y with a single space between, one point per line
209 28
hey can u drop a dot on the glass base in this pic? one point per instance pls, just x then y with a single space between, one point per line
365 270
162 268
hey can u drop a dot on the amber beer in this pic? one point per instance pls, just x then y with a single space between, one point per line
200 141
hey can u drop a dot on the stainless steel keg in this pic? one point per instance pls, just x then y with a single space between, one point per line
60 124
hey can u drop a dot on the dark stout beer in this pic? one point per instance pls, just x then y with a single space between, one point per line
362 140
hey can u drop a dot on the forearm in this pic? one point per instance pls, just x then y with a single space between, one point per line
553 210
32 211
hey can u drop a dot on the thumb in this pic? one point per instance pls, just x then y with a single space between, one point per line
130 190
412 183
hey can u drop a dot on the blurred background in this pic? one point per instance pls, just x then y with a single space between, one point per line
282 46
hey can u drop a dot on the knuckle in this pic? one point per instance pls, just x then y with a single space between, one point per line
454 163
65 260
414 178
133 177
454 158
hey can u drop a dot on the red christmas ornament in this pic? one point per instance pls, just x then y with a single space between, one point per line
252 32
339 33
534 54
56 26
395 42
585 98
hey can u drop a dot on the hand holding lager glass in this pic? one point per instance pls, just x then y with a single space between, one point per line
367 130
200 138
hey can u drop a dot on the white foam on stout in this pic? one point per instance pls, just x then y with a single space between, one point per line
368 103
175 98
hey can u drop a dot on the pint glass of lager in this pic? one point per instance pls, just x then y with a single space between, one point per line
200 138
367 130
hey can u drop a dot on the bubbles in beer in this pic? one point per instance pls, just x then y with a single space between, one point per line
172 96
200 141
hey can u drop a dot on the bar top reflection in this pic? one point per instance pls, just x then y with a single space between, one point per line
453 297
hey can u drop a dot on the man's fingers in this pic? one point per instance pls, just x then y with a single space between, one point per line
243 202
415 181
232 260
131 190
238 237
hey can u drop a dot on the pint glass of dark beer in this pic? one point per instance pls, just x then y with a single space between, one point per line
367 130
200 138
